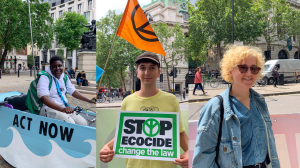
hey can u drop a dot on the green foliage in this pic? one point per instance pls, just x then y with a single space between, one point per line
282 18
123 53
210 24
15 28
69 30
30 60
60 52
174 43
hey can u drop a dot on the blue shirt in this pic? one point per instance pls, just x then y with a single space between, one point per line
253 134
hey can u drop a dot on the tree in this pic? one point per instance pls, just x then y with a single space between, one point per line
60 52
69 30
174 43
30 61
210 23
15 28
280 20
123 54
293 26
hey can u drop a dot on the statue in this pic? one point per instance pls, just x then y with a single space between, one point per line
148 15
88 41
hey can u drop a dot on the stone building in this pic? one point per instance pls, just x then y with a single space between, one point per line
58 7
20 55
170 12
279 49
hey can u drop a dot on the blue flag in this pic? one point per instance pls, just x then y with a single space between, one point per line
99 73
289 43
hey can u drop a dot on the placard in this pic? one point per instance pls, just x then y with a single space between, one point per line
147 135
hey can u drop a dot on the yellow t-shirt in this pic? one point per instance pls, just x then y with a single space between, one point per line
162 102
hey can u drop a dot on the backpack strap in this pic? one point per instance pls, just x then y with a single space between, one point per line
220 130
49 77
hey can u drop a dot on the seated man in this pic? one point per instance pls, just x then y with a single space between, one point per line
81 79
55 100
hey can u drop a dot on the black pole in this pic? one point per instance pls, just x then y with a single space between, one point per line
18 72
0 73
269 47
31 71
132 80
232 21
173 80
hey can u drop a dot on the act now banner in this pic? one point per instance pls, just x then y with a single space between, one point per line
147 135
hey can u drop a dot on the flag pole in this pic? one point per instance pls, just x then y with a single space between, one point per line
106 65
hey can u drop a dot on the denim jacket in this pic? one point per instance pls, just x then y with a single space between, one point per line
230 151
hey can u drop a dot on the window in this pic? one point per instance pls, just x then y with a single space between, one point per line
53 4
60 13
90 3
62 1
57 45
70 9
70 54
52 15
79 8
52 53
294 38
87 15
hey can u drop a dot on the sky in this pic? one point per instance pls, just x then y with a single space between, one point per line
102 7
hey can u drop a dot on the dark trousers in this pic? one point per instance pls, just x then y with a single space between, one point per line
275 81
196 85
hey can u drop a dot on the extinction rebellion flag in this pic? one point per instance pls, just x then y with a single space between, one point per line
135 28
147 135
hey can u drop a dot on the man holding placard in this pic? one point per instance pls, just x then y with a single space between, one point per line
151 129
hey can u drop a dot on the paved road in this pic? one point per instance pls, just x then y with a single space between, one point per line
283 104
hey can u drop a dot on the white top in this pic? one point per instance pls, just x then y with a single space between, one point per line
43 89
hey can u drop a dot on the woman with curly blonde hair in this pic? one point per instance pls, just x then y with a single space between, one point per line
235 130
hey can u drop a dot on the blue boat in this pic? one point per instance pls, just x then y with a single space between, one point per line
32 141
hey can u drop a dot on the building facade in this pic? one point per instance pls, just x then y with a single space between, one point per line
169 12
58 7
19 55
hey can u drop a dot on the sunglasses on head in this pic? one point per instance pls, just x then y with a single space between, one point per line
244 69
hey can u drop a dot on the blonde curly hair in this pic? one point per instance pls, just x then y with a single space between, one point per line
235 54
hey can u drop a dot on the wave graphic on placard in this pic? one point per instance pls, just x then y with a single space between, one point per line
20 156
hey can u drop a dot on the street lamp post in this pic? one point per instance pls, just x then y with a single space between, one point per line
31 37
232 21
269 47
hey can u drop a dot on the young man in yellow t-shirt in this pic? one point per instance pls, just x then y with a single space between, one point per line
149 98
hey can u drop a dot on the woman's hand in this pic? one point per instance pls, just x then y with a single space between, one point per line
93 100
68 110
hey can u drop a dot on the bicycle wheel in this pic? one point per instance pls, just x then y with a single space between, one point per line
112 99
214 83
103 100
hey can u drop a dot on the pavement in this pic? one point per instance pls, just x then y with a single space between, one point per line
118 103
268 90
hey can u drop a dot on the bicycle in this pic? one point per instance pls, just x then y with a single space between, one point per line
101 98
111 97
210 81
261 82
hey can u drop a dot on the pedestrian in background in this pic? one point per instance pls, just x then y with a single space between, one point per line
198 80
242 136
275 76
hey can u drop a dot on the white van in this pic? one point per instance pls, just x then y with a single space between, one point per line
288 67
